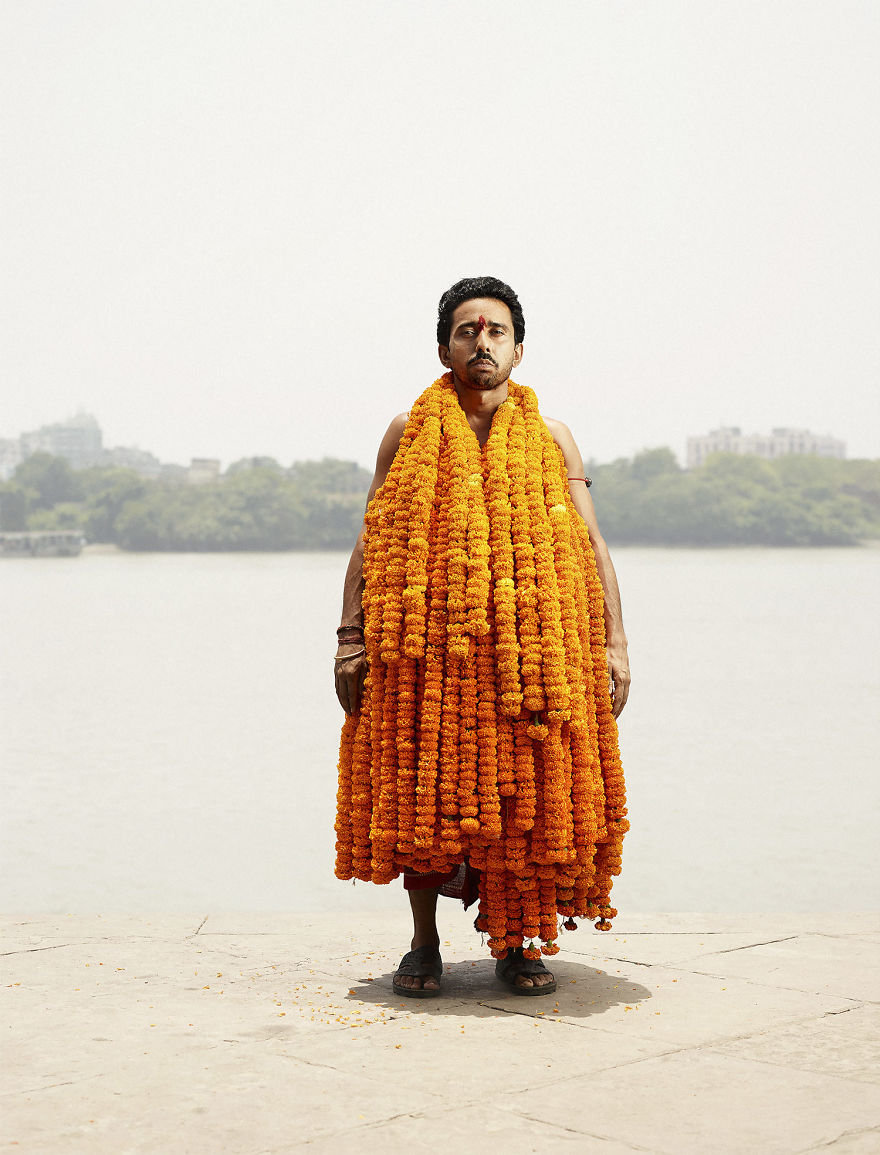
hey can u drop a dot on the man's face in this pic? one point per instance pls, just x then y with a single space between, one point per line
481 350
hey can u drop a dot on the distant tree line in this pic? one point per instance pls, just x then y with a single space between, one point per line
256 505
737 500
260 505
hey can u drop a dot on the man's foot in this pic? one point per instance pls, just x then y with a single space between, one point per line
418 976
525 976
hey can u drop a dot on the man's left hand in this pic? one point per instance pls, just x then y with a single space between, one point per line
618 673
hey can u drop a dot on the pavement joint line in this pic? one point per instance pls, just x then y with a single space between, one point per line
686 933
199 927
33 949
752 945
671 1050
312 1063
381 1079
251 934
714 1048
765 1032
851 1134
772 986
511 1010
843 933
575 1131
423 1114
52 1086
372 1124
683 968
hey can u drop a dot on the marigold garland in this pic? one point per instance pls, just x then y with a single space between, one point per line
485 727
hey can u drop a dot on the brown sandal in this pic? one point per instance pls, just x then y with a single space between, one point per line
422 963
508 969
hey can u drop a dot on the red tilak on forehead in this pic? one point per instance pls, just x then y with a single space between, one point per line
482 322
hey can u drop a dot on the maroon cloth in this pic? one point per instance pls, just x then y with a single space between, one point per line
463 882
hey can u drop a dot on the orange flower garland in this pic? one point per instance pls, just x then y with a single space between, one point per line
485 727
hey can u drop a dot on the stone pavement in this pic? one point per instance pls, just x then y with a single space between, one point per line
257 1033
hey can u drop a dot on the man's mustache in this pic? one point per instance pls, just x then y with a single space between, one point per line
475 360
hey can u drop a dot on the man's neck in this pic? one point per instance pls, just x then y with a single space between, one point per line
480 404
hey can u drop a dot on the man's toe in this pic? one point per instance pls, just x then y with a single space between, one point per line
541 979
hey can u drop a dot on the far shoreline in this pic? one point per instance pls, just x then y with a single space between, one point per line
100 548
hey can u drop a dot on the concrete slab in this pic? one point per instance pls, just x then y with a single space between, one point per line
674 1006
846 1044
582 992
118 961
464 1130
498 1052
698 1102
275 1033
231 1099
346 927
819 963
666 949
42 928
331 953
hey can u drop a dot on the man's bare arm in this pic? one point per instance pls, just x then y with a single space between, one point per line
615 636
350 673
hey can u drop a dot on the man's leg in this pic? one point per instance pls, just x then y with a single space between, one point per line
424 912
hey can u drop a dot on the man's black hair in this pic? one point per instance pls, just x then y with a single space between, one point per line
469 289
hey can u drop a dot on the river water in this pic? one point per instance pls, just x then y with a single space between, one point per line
169 732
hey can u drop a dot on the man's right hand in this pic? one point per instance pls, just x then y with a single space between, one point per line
351 669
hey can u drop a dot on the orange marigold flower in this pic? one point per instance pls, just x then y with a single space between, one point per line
485 727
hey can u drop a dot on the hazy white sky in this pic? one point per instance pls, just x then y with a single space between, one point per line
225 226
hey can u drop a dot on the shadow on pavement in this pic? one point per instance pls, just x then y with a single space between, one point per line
581 991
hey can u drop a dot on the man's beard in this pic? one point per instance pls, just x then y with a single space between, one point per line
478 378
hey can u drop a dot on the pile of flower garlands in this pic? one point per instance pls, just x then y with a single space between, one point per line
485 728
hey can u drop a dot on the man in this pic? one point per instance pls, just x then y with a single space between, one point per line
479 751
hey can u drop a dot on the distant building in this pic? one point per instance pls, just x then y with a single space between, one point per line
10 457
203 470
78 440
778 443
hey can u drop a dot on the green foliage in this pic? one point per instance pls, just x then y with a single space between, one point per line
47 480
737 500
253 507
107 492
258 505
330 475
13 506
651 463
65 515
